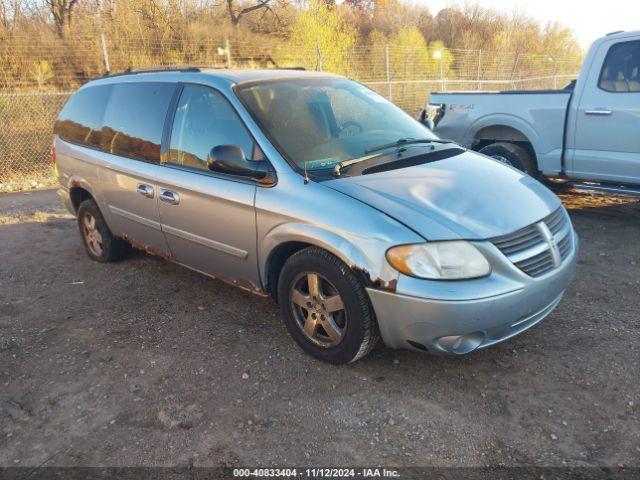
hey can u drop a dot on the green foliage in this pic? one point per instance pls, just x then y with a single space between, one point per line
323 27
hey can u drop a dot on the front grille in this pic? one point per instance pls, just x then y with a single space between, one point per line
540 247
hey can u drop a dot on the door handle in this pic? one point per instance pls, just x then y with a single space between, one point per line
144 189
597 111
169 197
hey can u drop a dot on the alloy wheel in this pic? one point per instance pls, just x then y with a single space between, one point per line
91 234
318 309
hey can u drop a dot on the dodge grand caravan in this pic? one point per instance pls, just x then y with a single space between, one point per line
309 187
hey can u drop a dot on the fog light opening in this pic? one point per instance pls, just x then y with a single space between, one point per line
461 344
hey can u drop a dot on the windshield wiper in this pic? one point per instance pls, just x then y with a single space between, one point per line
339 166
405 141
337 169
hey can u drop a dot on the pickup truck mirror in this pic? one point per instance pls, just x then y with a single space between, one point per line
231 160
427 122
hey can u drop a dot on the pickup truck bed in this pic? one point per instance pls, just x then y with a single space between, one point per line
534 119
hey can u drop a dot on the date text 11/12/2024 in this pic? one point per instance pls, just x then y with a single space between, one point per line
316 472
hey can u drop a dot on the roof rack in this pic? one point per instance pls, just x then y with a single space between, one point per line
613 33
159 69
178 68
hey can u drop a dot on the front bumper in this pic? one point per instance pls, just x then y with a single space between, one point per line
440 319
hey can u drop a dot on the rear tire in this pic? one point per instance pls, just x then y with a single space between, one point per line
100 244
325 307
512 154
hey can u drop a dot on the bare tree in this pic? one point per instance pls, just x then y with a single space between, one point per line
236 13
61 11
9 12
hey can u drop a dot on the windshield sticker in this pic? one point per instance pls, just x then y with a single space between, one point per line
323 163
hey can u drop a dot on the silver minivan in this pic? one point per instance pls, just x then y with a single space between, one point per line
315 190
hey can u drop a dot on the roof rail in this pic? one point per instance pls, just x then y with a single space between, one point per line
159 69
613 33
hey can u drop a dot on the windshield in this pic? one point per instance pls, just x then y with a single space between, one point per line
322 122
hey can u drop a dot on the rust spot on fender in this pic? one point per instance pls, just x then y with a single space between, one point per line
389 286
377 283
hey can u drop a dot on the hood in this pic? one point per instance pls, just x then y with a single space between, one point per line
468 196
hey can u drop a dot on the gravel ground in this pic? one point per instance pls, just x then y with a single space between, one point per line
144 363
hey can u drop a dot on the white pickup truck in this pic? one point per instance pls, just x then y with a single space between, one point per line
587 132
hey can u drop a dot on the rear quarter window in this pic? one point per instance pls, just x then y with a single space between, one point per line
80 120
134 120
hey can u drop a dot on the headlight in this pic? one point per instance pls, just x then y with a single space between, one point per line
454 260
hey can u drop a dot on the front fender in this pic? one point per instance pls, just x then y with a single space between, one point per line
362 254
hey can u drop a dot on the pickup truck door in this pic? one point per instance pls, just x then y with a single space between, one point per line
208 219
606 139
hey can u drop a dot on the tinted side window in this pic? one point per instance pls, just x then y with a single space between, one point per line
204 118
134 120
80 120
620 71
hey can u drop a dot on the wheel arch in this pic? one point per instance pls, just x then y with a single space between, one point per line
504 128
287 239
79 191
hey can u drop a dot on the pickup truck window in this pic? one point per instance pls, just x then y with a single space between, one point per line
621 68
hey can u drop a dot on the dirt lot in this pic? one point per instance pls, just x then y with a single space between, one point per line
143 362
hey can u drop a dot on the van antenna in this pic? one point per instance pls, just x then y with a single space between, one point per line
306 177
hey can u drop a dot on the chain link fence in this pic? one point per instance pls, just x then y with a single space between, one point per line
36 81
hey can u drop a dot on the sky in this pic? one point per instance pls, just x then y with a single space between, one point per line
589 19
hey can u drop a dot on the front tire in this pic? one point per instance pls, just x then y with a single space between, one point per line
512 154
100 244
326 308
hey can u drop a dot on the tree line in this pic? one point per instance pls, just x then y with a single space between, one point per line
58 42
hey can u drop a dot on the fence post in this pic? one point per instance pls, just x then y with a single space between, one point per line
388 67
555 73
105 55
318 58
479 69
513 72
227 49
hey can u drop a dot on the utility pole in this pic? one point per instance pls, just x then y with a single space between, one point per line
105 55
318 58
227 49
513 72
479 69
386 55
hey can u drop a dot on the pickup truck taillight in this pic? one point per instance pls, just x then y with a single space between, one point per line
435 112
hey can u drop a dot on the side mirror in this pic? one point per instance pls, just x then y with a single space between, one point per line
230 159
423 119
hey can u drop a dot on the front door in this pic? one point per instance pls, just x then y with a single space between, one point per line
208 219
607 123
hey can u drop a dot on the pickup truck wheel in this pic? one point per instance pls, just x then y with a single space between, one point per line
325 307
512 154
101 245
